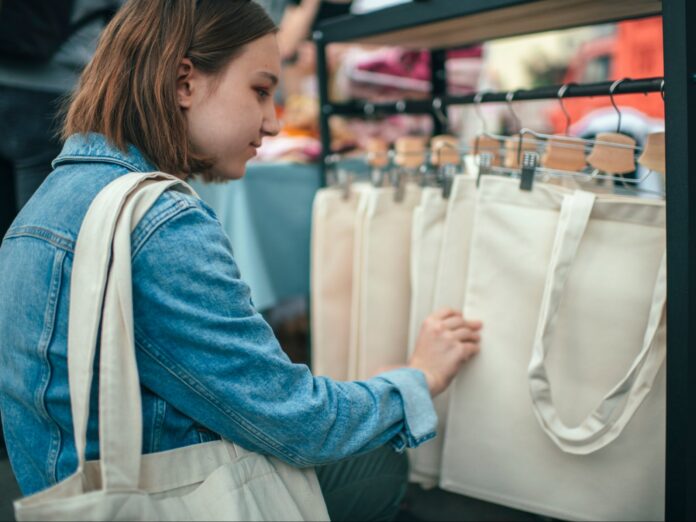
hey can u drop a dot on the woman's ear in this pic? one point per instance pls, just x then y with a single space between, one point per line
184 83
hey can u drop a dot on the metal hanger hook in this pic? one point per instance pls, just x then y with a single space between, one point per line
561 93
440 114
477 107
508 98
613 102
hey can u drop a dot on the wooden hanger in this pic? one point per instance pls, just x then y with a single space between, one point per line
410 152
444 150
653 156
611 159
377 152
564 153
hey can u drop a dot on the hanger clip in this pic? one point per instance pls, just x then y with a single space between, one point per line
530 161
343 182
398 181
485 162
377 177
448 173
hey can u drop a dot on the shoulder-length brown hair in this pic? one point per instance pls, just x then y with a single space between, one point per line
128 90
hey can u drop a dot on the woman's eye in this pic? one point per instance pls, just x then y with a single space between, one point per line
263 93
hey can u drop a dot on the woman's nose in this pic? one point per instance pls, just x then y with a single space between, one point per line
271 124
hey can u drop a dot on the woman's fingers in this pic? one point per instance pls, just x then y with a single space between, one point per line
454 322
444 313
468 350
466 334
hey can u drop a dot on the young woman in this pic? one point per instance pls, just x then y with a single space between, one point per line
186 87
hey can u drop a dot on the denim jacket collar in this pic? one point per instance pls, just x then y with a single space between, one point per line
93 147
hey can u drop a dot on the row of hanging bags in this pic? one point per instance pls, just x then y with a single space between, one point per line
562 412
360 289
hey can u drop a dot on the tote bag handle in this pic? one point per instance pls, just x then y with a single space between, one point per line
101 293
605 423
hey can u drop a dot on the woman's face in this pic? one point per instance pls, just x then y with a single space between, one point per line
229 113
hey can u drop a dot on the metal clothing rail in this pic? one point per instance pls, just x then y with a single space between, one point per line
362 108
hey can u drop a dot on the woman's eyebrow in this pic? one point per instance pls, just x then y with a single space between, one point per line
272 77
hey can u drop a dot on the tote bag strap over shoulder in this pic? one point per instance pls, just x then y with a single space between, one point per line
606 422
100 293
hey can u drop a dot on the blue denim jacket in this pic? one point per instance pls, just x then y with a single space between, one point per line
209 364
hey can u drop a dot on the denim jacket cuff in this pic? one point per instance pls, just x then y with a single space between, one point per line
420 419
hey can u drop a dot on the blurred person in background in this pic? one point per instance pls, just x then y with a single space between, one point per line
44 45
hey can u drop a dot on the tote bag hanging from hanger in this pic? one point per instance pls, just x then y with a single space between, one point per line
382 259
355 319
563 411
450 279
211 481
426 242
333 234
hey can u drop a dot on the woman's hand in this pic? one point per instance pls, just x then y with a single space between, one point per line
446 341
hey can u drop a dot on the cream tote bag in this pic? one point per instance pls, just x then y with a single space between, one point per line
333 235
563 411
355 320
449 280
426 242
212 481
384 295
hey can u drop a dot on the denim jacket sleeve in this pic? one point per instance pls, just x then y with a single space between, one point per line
203 348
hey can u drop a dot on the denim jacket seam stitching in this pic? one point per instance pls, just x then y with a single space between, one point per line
44 342
95 159
42 233
153 223
158 422
200 390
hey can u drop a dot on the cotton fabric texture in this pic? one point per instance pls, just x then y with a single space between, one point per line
333 240
382 295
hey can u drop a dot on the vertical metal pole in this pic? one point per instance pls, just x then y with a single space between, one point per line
679 20
324 104
438 78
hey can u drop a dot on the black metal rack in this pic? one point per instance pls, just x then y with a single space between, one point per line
442 24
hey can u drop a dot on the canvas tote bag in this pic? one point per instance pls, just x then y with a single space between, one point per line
355 319
212 481
384 295
563 411
449 280
333 238
426 242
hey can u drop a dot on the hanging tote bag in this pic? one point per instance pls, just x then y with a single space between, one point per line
426 243
333 235
355 319
563 411
211 481
449 280
385 290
